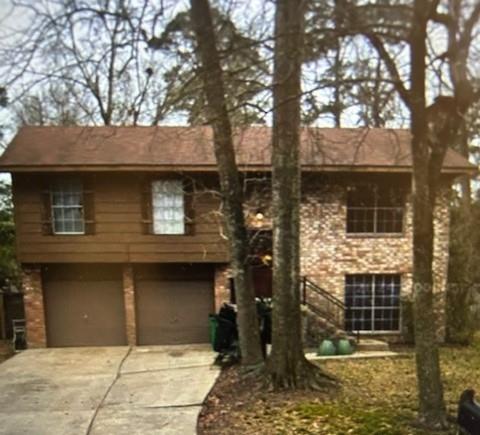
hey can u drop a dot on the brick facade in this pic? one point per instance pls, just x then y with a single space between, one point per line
328 253
34 307
129 300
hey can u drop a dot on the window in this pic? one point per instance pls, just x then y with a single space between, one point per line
67 207
374 209
372 302
168 207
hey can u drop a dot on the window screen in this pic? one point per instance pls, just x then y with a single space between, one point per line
168 207
67 207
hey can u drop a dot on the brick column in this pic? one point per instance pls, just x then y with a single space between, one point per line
34 308
129 299
222 286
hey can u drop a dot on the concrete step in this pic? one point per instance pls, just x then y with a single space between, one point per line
372 345
312 356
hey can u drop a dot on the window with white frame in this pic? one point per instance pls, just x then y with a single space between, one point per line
67 207
372 302
374 208
168 205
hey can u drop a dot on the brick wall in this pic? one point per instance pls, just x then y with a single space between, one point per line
34 308
129 300
328 253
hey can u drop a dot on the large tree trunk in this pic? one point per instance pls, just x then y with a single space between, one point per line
430 389
433 130
231 188
288 365
462 261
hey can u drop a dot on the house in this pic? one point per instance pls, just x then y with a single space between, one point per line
120 235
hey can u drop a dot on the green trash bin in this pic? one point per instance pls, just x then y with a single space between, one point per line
212 328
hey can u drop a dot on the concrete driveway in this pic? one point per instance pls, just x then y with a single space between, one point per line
108 390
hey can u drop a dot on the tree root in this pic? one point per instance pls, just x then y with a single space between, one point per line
297 374
253 370
304 376
309 376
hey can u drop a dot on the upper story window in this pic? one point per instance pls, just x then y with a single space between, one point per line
67 207
374 208
168 206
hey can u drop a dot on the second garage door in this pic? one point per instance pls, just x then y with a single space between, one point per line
173 303
84 305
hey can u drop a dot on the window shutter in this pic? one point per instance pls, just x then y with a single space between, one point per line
47 224
189 201
146 205
89 204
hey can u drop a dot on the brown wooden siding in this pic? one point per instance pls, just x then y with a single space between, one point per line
118 227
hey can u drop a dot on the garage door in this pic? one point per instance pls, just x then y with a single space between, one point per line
173 303
84 305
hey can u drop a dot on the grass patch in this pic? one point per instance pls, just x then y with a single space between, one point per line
344 418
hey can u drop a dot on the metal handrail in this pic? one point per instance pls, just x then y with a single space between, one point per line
322 313
334 317
319 290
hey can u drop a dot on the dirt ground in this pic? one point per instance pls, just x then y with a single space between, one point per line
376 397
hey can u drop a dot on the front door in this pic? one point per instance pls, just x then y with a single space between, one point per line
262 281
261 262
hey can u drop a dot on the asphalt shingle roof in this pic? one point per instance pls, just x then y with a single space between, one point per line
191 148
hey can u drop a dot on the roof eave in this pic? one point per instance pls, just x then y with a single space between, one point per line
457 171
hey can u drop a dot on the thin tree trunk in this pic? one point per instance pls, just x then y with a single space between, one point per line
337 102
288 365
376 103
231 188
430 389
465 180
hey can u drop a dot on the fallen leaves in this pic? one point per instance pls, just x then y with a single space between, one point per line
377 397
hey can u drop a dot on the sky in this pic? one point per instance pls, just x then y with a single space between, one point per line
4 10
9 20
